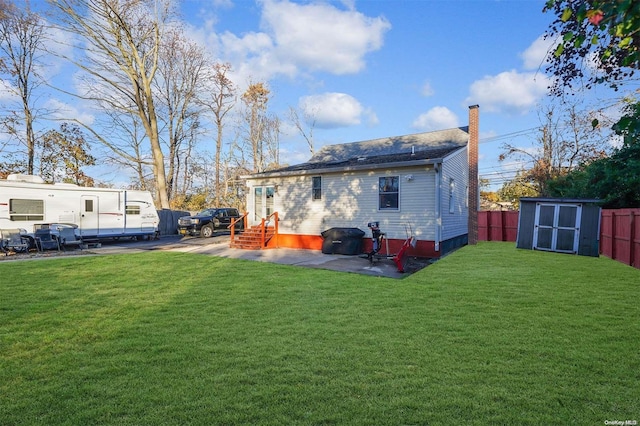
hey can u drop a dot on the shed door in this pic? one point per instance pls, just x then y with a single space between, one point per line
557 227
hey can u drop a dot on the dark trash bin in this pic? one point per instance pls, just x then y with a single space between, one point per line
342 241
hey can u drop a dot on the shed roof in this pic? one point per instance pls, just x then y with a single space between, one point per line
560 200
414 149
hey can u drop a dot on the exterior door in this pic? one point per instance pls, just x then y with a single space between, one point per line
89 215
557 227
263 202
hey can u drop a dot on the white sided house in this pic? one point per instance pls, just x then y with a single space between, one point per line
26 202
418 182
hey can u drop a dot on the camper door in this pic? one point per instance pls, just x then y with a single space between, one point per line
89 215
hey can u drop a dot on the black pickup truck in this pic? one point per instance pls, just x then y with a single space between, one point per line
208 221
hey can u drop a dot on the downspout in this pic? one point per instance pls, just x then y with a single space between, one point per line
124 214
438 187
251 204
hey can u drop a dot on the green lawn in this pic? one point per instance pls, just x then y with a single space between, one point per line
487 335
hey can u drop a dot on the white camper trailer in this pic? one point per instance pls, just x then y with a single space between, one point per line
27 202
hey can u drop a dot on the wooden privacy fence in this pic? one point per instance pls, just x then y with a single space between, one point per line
620 235
497 225
619 232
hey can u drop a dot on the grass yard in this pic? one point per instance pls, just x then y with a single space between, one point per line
487 335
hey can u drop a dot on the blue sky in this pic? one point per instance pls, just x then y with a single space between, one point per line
371 69
374 68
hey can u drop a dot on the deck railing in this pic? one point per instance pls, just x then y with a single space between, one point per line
264 224
232 226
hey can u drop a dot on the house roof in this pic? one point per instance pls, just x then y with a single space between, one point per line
395 151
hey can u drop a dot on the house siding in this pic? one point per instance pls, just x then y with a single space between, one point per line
351 200
455 223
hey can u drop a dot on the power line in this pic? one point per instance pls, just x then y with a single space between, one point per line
516 165
509 135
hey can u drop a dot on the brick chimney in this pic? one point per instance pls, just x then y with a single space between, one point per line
474 192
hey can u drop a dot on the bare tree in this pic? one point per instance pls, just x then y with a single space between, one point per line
5 8
21 44
121 45
126 146
255 99
308 118
222 100
181 68
567 139
11 164
271 144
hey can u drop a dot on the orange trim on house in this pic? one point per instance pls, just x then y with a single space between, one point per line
297 241
314 242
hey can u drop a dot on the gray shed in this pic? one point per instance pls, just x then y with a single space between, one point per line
566 225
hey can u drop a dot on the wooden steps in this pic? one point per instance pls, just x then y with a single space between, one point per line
251 238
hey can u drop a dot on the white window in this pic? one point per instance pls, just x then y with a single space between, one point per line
388 193
316 188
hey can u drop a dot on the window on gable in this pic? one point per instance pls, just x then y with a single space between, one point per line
388 193
316 188
452 191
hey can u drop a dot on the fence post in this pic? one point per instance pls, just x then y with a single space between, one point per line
613 235
632 238
601 242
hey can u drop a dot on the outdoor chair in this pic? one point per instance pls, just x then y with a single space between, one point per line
45 240
14 240
67 236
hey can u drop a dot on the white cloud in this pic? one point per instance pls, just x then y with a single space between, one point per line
535 56
437 118
253 57
298 37
333 110
372 118
64 111
349 4
321 37
7 92
296 155
509 91
427 90
294 39
251 44
223 4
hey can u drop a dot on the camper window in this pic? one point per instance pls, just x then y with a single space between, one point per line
22 210
131 209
